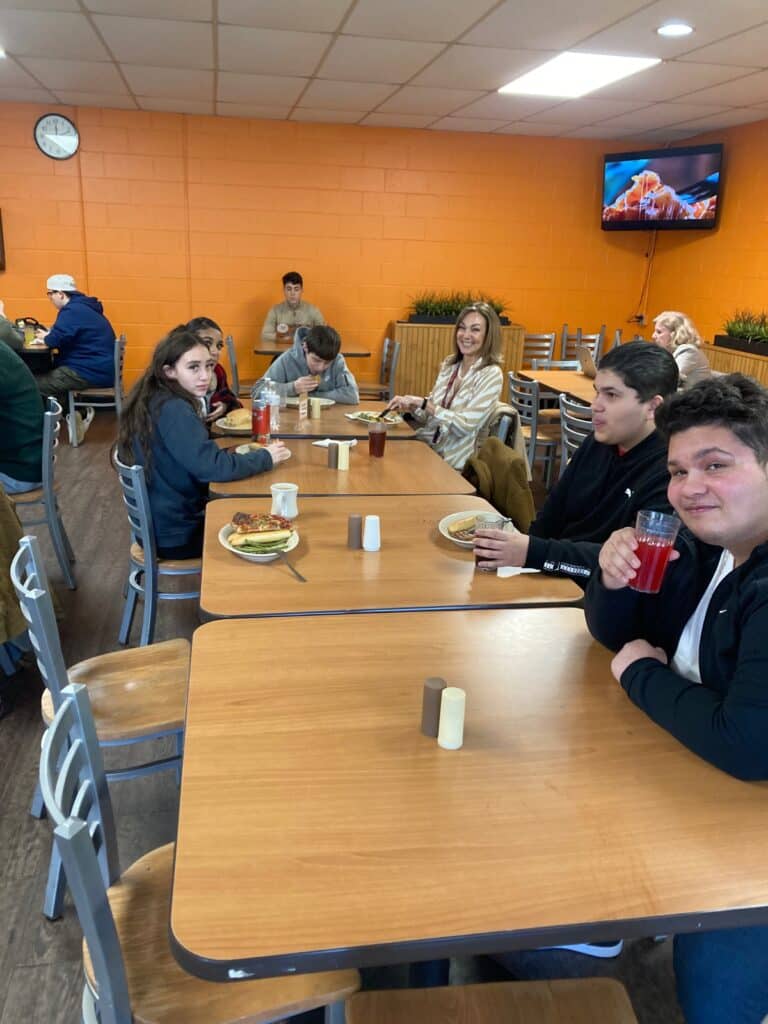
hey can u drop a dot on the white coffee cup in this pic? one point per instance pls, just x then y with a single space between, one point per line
284 501
371 533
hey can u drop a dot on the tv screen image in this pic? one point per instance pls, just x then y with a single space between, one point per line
662 188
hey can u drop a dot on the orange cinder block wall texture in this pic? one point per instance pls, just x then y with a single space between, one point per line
168 216
710 274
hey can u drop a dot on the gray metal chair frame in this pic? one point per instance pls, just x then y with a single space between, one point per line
101 398
575 425
569 342
143 577
384 388
33 591
538 347
239 387
47 496
524 395
556 364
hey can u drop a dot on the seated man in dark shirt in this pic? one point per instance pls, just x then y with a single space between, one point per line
618 470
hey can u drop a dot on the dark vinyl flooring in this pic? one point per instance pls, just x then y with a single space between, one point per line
40 975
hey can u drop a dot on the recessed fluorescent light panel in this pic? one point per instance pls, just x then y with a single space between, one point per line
674 29
2 53
575 74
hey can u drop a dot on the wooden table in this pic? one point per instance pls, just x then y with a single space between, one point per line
318 828
404 469
416 567
39 358
331 423
276 348
570 382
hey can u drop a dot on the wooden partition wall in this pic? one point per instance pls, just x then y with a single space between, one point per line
726 360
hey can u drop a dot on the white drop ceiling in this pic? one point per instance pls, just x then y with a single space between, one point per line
401 63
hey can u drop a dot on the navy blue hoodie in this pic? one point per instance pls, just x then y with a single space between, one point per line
85 340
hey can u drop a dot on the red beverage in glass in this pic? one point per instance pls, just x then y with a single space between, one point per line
376 441
653 556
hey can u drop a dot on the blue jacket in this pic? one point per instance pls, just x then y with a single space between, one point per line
85 340
184 461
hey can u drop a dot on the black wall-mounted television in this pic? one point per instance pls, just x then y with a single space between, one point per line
662 189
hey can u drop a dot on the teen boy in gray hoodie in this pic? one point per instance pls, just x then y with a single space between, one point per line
314 364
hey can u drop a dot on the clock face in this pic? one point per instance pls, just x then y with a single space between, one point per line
56 136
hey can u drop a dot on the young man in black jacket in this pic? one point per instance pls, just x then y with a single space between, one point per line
620 469
694 656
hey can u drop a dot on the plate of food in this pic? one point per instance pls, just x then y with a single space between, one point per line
374 417
459 527
324 402
251 446
258 537
237 421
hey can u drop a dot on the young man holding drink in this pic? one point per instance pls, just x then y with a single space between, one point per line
616 472
694 656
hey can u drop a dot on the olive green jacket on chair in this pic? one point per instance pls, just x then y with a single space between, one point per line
499 475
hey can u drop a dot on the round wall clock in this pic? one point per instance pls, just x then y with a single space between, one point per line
56 136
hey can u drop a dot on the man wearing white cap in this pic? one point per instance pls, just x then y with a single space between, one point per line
85 341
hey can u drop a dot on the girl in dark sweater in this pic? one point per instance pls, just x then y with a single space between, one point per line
162 429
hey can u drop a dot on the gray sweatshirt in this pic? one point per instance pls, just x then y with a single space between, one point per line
336 382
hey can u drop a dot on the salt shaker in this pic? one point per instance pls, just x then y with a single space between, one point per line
371 533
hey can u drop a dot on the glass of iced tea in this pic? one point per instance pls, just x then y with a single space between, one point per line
377 438
656 533
487 521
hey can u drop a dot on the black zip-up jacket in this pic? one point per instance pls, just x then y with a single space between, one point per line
600 492
725 718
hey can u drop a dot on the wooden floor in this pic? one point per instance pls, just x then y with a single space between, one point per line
40 980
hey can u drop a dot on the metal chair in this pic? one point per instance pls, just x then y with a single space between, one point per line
539 347
240 387
130 972
145 568
46 497
542 438
569 342
100 398
575 425
384 389
138 695
556 364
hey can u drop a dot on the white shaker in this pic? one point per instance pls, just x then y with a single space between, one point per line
371 533
450 734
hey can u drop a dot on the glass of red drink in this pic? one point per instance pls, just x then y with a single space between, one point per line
656 533
377 438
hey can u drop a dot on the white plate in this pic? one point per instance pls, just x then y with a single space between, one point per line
446 521
362 417
324 402
241 431
246 449
225 531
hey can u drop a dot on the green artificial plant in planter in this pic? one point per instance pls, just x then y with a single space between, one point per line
443 307
745 331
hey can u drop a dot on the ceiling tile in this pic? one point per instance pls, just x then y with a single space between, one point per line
667 81
329 116
593 131
19 94
466 124
270 51
86 76
264 90
743 92
403 19
152 41
727 119
323 95
180 10
583 111
78 98
11 74
354 59
662 135
528 128
308 15
176 106
169 82
41 5
745 49
45 33
252 110
548 24
659 116
398 120
511 108
413 99
477 67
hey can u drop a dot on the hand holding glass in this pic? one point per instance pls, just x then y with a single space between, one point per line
655 533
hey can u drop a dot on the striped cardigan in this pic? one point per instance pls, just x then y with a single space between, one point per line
472 407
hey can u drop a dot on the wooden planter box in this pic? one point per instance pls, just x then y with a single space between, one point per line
755 348
419 318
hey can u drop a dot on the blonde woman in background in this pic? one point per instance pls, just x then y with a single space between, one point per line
677 333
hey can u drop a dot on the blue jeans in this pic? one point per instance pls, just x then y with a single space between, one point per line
722 976
11 486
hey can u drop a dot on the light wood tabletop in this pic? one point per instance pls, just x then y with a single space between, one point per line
570 382
332 422
404 469
332 832
416 568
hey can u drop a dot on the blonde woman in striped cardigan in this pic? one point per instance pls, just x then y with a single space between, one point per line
466 391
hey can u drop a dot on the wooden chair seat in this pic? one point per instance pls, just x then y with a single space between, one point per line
569 1001
549 415
31 497
162 993
135 692
548 433
190 564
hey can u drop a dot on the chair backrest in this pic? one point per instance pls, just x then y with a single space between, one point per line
120 344
136 501
390 356
569 342
33 591
616 338
229 341
575 425
76 796
51 431
524 396
539 347
555 364
503 428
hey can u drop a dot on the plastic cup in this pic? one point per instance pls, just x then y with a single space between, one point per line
656 533
487 521
377 439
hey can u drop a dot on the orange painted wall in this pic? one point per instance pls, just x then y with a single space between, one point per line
166 216
709 274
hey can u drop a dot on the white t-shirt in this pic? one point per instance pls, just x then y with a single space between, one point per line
686 659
